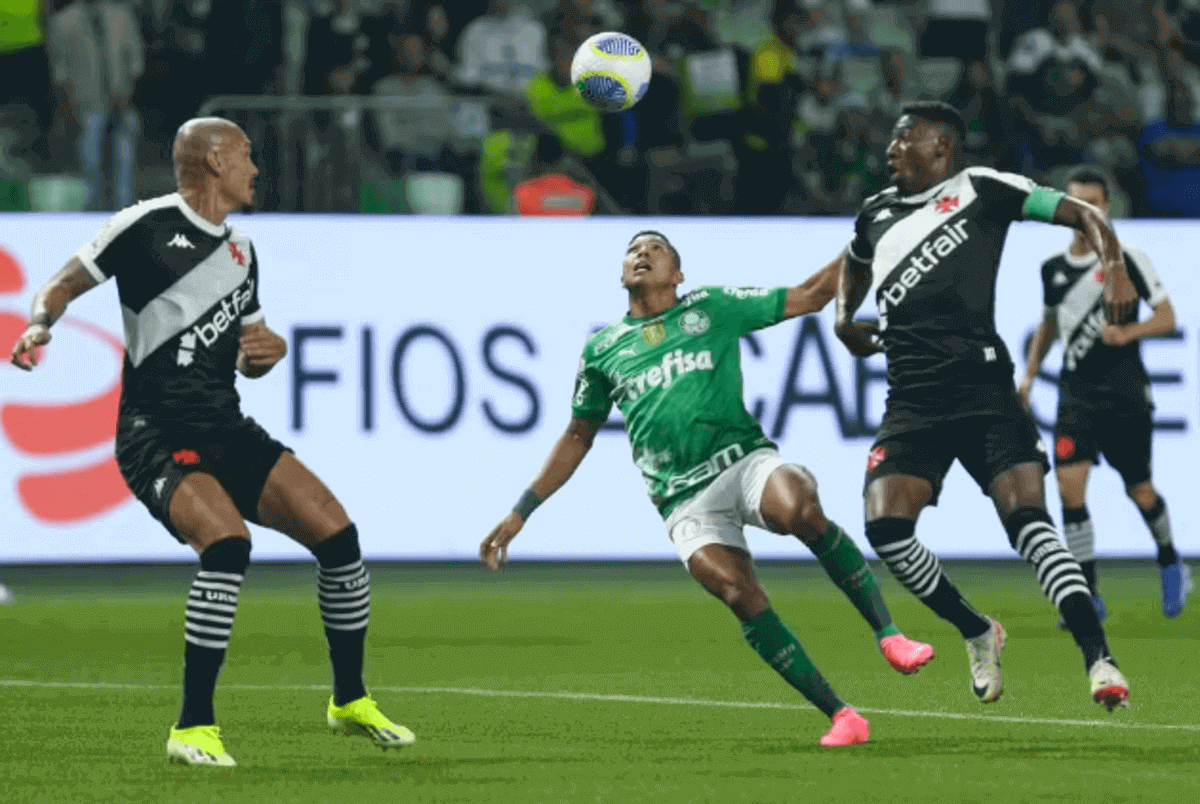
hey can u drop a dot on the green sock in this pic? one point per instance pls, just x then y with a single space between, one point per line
779 648
845 565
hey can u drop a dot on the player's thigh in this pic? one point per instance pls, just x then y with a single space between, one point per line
711 516
905 473
202 513
789 503
1125 442
295 502
1072 482
1007 458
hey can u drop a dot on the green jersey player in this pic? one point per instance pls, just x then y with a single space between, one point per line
673 367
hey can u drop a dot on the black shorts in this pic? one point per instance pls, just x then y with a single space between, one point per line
1083 432
987 445
153 461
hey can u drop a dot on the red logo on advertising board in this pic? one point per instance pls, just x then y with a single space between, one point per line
947 203
876 457
67 495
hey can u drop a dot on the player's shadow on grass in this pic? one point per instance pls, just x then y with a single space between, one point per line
418 643
1063 748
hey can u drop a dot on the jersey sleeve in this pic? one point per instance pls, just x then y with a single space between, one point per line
860 249
1144 277
745 309
252 313
1013 197
593 392
117 245
1050 295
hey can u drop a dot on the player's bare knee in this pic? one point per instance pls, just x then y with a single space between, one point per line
1144 495
744 596
807 520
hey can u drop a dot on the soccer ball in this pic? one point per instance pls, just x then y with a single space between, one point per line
611 71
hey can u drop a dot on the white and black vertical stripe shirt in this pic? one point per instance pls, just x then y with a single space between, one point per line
187 287
1073 291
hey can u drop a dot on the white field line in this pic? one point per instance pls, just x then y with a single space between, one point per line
13 683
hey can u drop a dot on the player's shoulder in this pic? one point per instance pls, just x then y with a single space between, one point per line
880 199
147 212
1140 257
985 176
1055 266
603 339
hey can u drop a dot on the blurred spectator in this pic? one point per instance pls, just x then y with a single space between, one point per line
23 64
407 133
548 191
975 96
575 19
1123 30
433 24
348 46
1170 152
97 54
553 100
1052 75
502 50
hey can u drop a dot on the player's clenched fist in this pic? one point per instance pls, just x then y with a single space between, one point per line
493 551
260 349
24 353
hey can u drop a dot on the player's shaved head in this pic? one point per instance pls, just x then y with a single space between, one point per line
193 142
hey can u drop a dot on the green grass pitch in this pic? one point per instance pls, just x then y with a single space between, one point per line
90 659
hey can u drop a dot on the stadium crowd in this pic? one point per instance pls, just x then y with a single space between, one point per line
756 106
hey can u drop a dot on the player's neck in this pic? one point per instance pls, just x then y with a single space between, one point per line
652 302
1080 247
207 202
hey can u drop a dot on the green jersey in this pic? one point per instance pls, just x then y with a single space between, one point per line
677 378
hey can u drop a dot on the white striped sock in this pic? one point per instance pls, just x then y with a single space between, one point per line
912 564
344 594
212 603
1057 570
1081 540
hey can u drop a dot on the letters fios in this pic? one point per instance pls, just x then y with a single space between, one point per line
231 309
674 364
920 263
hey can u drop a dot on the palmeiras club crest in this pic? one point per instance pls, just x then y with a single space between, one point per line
694 322
654 333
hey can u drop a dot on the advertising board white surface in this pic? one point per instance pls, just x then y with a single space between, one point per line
431 369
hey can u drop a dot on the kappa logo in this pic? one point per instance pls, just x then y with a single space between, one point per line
51 428
947 203
158 486
883 215
1060 279
694 322
180 241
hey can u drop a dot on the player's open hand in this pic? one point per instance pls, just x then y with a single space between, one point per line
260 350
25 350
1120 296
860 337
493 551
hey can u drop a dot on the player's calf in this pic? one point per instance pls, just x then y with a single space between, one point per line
344 594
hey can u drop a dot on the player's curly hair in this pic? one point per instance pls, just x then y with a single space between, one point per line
662 237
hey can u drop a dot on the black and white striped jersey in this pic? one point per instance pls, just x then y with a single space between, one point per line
187 287
934 256
1073 290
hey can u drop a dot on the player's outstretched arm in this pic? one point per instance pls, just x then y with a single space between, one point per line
260 350
854 280
1120 296
815 292
1160 323
568 452
48 306
1043 336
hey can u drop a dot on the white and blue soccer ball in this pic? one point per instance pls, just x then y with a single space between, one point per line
611 71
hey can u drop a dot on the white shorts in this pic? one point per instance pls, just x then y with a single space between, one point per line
720 513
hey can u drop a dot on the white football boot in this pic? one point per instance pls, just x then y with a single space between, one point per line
1109 687
987 679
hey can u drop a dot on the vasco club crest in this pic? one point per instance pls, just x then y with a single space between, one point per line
694 322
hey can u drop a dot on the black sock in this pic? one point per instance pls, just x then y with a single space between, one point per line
1159 522
921 573
1032 534
344 593
1081 541
212 604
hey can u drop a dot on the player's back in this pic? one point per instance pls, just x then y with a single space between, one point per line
186 286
